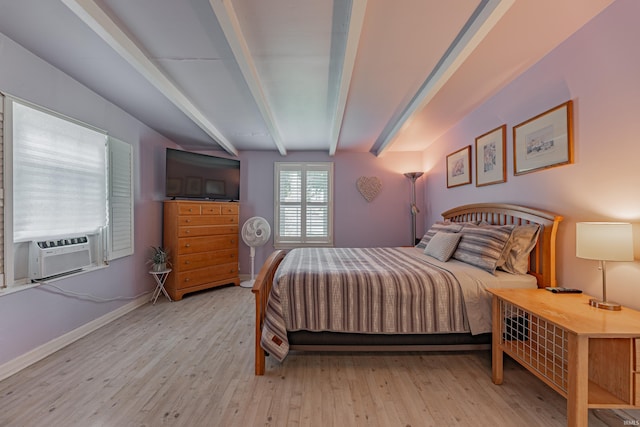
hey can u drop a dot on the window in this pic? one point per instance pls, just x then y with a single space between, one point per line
63 178
303 204
59 185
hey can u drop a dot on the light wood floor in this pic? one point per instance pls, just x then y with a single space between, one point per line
190 363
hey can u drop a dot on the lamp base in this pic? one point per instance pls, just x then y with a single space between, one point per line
247 283
613 306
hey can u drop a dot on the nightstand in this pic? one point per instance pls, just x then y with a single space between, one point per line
588 355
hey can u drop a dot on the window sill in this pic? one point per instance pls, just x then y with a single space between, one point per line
24 286
302 245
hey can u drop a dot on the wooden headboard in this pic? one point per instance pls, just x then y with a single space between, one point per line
542 261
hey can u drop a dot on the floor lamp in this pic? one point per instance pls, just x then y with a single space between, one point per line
413 176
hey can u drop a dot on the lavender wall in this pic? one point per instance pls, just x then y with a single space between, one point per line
598 68
385 221
34 317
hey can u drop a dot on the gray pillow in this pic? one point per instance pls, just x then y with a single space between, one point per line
442 245
481 246
439 226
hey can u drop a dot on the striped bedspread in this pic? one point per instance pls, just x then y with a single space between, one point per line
365 290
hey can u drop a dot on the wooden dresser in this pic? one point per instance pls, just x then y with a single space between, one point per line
202 240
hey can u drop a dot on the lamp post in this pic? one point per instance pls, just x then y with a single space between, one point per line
413 176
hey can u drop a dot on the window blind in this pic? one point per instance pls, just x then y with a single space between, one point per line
59 183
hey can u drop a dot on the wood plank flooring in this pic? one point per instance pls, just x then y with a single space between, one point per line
190 363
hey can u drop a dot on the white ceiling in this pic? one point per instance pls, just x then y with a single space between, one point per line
290 75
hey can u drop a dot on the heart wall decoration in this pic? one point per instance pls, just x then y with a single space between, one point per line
369 187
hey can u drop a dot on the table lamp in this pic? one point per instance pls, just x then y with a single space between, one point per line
604 241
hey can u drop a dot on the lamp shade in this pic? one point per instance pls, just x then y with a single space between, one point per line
413 175
604 241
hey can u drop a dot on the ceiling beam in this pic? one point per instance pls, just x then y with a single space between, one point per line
228 20
484 18
98 21
356 20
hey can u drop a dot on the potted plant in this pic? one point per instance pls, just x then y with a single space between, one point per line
159 258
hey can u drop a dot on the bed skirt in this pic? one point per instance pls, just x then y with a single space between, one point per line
307 339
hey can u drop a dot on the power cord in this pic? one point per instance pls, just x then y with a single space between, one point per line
86 297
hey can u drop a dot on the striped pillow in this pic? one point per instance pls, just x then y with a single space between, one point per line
483 246
442 245
442 226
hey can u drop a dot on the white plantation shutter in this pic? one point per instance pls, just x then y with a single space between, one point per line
317 195
120 235
304 204
59 185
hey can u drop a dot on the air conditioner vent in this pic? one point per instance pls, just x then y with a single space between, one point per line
53 257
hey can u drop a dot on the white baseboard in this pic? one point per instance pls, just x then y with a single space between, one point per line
19 363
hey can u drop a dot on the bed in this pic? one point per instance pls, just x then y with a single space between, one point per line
431 297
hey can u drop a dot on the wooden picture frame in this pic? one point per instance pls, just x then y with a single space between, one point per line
544 141
491 149
459 167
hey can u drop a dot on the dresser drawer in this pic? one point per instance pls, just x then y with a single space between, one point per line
189 209
191 245
229 209
208 230
191 220
197 277
205 259
637 356
637 388
210 209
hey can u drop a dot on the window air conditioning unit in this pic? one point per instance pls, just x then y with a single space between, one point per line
49 258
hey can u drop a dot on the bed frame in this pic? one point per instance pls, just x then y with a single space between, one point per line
542 265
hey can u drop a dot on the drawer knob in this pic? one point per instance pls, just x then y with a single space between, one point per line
188 221
187 262
188 231
186 280
188 245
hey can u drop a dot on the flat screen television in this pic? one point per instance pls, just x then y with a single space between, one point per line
199 176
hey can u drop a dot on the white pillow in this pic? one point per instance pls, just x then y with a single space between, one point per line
442 245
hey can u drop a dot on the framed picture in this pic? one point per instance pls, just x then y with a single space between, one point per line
544 141
193 186
490 154
459 167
